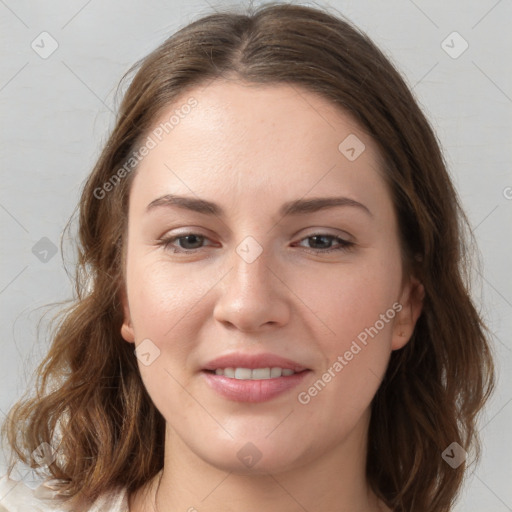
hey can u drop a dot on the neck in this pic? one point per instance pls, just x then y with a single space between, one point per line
334 481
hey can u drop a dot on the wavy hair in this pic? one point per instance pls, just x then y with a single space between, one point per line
91 401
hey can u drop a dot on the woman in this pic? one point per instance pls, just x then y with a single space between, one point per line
271 306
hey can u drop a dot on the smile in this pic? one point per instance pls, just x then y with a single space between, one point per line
253 385
254 373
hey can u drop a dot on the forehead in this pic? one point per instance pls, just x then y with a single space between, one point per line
249 142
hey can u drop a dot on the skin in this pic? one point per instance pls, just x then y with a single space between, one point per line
250 148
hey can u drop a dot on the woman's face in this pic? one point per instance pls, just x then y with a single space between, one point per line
278 268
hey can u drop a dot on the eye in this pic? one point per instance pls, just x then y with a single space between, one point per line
191 242
325 241
190 239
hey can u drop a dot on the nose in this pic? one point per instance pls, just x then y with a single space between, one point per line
253 296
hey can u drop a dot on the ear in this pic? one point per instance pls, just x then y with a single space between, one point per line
411 301
127 327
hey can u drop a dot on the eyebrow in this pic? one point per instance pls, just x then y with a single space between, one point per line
296 207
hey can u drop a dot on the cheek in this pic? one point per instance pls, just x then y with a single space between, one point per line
357 305
356 357
349 299
162 302
169 304
160 295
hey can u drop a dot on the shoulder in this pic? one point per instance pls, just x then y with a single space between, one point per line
16 496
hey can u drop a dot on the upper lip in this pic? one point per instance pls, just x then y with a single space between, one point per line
239 360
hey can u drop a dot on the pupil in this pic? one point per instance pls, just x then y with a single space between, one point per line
188 237
317 237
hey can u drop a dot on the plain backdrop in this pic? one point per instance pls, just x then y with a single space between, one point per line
61 63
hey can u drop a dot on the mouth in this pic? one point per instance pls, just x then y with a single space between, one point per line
254 373
259 362
240 388
253 378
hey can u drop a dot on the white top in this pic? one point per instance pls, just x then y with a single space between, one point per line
16 496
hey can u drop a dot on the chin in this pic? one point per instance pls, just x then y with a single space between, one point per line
258 457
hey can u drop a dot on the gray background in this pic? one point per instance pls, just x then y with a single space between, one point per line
57 111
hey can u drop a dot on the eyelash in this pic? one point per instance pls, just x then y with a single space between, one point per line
344 244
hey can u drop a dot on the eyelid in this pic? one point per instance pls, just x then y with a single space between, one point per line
342 243
317 231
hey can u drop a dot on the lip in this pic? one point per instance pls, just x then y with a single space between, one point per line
252 361
252 391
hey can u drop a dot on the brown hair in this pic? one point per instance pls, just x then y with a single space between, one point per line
97 411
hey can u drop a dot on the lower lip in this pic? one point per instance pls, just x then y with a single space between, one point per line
262 390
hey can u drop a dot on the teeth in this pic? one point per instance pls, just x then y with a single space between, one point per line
254 374
276 372
243 373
